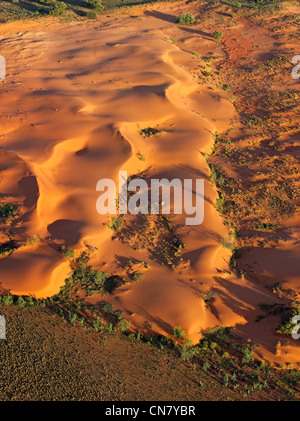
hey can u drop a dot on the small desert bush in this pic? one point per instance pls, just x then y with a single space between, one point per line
58 8
287 324
7 299
116 223
92 14
107 307
93 281
178 332
141 156
248 355
33 240
21 302
218 35
290 377
7 248
187 352
136 276
95 4
124 325
185 19
149 131
7 210
206 366
68 253
110 284
220 335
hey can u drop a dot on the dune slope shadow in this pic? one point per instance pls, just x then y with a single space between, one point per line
67 230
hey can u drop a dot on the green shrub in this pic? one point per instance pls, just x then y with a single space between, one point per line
248 355
68 253
178 332
218 336
92 14
7 248
218 35
30 301
149 132
96 323
110 284
208 296
7 210
220 203
95 4
116 223
226 379
290 377
185 19
187 352
7 299
287 326
20 302
124 325
33 240
107 307
206 365
90 279
141 156
58 8
136 276
72 318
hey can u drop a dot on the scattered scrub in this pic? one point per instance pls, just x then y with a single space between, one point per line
149 131
178 332
68 253
8 247
92 14
116 223
8 210
185 19
287 326
95 4
136 276
58 8
35 239
218 36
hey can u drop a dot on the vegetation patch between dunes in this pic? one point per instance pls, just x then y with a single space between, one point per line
52 349
71 9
